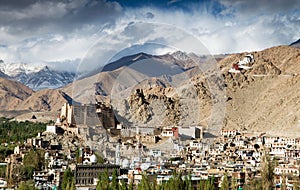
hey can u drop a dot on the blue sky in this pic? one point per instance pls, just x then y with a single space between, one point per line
63 33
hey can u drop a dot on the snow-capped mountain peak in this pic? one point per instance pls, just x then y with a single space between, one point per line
181 56
14 69
36 77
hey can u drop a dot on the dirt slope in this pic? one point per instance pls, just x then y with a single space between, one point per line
12 93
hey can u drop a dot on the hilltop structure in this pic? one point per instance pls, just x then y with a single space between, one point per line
76 116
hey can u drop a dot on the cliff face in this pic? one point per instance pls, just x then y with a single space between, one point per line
154 106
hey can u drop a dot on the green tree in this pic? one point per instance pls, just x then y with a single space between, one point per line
100 159
130 186
179 183
33 160
189 185
256 184
28 185
174 183
78 156
267 172
201 185
123 185
114 182
68 181
103 182
144 184
283 185
234 184
154 185
27 172
225 183
209 185
3 171
6 151
253 184
19 131
296 184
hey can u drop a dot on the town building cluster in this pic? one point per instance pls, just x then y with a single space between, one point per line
155 151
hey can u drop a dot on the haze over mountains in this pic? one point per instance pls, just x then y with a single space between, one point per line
264 98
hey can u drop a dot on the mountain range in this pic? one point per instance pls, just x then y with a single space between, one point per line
35 77
175 90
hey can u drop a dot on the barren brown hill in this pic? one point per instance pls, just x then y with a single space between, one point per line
109 83
43 100
12 93
17 99
267 97
137 71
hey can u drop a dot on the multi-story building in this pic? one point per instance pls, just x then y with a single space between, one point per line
87 175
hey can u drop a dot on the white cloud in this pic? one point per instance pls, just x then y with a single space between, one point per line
75 30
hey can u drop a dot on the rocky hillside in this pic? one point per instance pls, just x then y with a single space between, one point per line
120 76
264 98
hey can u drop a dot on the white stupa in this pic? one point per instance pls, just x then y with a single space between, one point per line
58 123
93 159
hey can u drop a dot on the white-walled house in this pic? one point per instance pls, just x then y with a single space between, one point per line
278 151
286 170
196 144
229 133
155 153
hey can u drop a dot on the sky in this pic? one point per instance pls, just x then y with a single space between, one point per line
66 34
